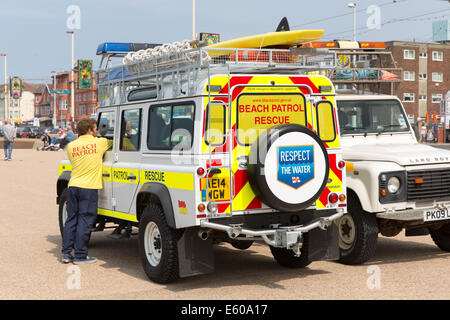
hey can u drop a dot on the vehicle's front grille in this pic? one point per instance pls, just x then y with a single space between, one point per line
435 185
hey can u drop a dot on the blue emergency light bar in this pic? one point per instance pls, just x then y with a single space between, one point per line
122 48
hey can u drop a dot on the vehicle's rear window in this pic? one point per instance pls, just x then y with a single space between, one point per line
260 111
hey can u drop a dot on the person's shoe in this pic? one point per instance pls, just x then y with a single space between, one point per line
84 260
67 258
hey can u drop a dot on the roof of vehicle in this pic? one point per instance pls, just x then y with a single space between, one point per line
365 97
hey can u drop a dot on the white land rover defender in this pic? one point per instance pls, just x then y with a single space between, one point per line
210 146
393 182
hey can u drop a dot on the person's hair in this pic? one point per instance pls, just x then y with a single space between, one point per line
84 125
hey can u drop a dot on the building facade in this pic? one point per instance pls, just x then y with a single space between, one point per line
54 101
43 102
21 110
426 76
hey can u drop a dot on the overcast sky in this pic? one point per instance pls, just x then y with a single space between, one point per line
33 32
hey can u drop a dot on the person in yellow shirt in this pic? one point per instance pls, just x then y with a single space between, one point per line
85 154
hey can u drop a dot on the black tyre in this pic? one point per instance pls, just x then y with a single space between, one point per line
441 237
288 167
158 245
287 258
242 244
358 234
62 214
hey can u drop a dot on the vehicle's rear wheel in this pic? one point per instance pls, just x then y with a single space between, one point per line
358 234
287 258
441 237
158 245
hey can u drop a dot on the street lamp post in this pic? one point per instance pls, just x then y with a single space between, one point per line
72 88
6 87
194 36
54 99
353 6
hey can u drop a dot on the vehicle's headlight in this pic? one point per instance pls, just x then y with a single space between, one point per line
393 184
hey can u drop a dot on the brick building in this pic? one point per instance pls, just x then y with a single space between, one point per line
85 101
425 78
43 106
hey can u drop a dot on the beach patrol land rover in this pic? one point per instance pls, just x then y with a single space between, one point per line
393 182
214 147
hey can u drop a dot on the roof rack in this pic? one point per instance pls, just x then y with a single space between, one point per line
181 70
178 73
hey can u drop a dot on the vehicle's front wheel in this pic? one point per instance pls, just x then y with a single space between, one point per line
158 245
358 234
287 258
441 237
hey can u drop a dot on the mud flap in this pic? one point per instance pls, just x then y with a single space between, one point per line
195 256
323 244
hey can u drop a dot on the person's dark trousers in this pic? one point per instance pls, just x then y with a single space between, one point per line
81 215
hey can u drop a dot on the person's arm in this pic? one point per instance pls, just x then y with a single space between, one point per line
106 144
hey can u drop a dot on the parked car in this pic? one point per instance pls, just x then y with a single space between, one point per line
37 132
26 132
19 132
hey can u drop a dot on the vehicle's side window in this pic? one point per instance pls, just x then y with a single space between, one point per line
325 121
130 134
171 126
105 124
215 124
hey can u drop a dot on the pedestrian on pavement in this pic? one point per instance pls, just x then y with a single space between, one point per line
68 137
9 132
85 154
423 132
430 136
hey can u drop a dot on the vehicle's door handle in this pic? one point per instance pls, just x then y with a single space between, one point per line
131 177
106 175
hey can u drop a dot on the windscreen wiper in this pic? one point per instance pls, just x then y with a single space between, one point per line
388 126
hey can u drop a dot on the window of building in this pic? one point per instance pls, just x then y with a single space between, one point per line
436 98
437 76
409 75
62 104
438 56
409 54
423 97
423 55
422 76
408 97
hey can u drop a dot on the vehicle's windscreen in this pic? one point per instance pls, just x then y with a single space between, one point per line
260 111
371 116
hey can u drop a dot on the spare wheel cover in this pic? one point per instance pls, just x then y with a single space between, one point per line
291 170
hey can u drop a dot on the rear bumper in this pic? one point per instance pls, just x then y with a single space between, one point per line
289 237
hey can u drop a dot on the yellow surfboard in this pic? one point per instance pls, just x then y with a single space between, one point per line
271 39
